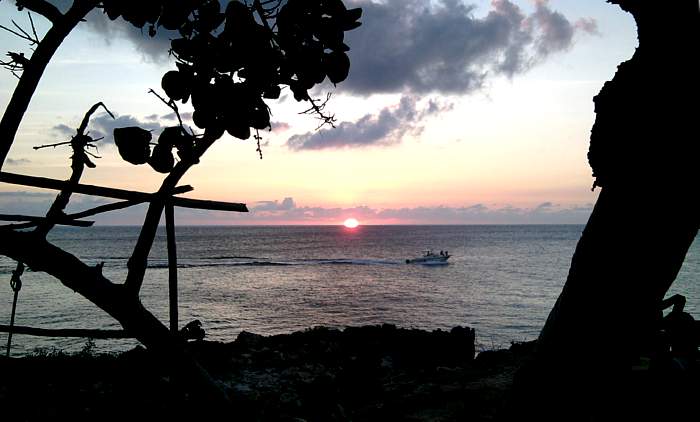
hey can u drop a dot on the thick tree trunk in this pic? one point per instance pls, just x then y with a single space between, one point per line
644 154
628 256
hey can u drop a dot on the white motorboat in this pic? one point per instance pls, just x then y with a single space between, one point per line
430 258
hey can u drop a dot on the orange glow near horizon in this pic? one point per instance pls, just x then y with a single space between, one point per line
351 223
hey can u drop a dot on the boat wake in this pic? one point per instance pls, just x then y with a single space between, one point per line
264 262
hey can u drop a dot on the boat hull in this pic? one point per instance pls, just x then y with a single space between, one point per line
432 260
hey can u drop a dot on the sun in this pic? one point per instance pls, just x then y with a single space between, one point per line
351 223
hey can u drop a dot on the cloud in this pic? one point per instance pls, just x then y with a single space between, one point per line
133 215
287 211
17 162
152 49
25 203
387 127
64 130
546 213
588 25
62 5
103 126
279 126
24 194
555 31
545 207
172 116
416 45
440 46
274 206
37 203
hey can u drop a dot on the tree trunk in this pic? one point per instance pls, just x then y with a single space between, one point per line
32 73
118 302
644 155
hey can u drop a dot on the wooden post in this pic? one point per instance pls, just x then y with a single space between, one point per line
16 284
172 264
65 332
12 323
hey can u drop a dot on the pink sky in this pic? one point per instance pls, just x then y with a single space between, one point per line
411 146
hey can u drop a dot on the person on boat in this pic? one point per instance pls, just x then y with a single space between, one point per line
442 253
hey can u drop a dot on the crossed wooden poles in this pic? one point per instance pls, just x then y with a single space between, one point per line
128 198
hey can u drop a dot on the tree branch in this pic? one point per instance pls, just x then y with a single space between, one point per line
31 22
318 110
171 105
78 143
70 218
32 72
40 255
41 7
103 208
90 112
22 34
139 259
18 226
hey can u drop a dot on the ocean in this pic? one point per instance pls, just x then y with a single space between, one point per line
501 280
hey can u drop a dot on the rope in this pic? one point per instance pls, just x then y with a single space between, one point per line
16 285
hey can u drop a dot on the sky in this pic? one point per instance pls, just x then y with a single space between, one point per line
455 112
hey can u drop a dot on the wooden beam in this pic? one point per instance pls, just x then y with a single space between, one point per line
103 208
70 332
54 184
209 205
36 219
172 266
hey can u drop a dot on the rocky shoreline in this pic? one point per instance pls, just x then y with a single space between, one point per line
320 374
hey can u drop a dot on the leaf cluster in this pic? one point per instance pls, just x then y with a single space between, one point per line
134 144
230 61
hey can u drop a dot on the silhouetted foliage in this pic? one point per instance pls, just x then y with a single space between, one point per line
228 62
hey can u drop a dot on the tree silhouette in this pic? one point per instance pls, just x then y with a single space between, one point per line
644 155
228 62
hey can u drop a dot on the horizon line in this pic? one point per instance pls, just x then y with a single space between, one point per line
339 225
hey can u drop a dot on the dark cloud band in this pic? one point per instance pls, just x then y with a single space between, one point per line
17 161
103 125
421 46
286 211
387 127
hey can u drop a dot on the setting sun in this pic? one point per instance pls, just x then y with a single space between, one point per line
351 223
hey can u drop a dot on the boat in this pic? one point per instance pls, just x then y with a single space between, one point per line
430 258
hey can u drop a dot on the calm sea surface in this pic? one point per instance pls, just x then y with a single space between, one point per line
501 280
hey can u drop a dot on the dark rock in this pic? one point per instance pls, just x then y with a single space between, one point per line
321 374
